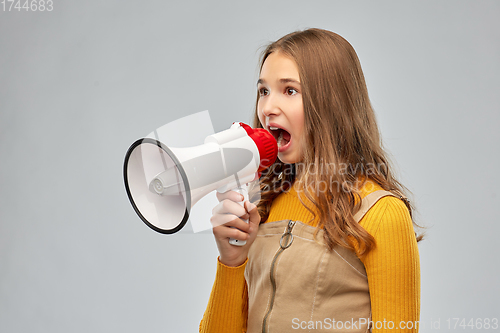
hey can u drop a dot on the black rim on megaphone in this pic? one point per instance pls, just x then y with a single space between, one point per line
179 168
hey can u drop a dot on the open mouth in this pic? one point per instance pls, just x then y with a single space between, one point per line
282 136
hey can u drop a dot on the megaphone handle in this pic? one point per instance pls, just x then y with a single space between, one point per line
243 190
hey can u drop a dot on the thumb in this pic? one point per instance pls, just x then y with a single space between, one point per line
254 216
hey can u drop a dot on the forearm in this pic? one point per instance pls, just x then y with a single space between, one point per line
227 309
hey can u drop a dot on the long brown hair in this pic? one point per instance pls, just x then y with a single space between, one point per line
343 147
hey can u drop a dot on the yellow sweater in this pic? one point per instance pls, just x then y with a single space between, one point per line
392 267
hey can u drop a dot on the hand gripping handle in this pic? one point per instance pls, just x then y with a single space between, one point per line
243 190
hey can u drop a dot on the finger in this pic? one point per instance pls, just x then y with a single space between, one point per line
229 220
229 207
245 217
254 216
225 233
231 195
239 224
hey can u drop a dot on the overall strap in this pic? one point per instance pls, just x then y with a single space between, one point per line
368 202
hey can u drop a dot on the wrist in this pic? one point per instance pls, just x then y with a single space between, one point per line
235 263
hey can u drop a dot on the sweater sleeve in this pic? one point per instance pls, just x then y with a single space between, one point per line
227 309
393 267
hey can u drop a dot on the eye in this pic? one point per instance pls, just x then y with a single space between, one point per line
291 91
263 92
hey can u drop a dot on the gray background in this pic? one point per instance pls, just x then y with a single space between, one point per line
79 84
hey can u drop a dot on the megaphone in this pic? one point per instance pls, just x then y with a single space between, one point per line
164 183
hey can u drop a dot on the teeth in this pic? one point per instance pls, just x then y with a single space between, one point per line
273 128
280 139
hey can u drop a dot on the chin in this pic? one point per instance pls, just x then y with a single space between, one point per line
288 159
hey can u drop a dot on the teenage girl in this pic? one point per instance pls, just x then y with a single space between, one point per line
331 244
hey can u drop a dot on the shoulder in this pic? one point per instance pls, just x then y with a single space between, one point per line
388 215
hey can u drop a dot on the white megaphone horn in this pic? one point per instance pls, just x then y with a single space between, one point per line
164 183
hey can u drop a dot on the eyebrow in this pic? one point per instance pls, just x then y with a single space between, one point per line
284 80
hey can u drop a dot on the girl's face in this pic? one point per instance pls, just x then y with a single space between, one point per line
280 107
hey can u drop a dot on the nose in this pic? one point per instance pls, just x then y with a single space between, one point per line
269 106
